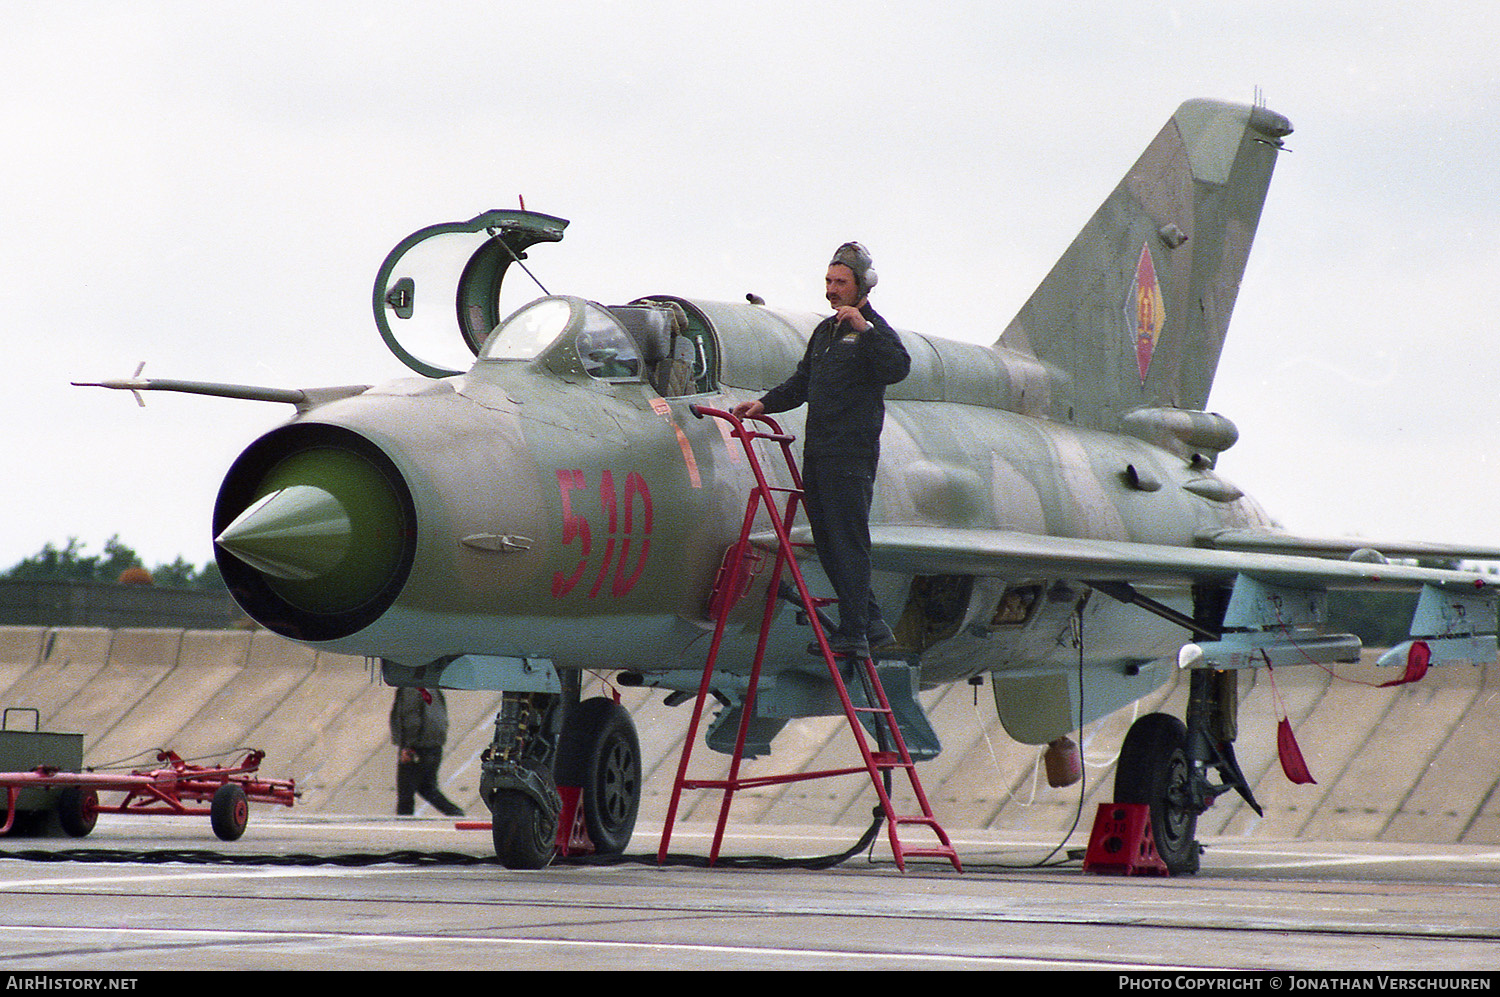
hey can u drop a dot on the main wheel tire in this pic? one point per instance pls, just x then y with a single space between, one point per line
525 837
229 811
1154 770
78 810
600 753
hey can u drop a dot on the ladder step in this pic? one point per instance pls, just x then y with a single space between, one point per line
932 853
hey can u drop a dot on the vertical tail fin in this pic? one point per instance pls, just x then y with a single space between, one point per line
1134 314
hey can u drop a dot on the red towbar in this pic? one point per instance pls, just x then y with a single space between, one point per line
227 789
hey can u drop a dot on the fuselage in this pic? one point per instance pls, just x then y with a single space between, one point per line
545 507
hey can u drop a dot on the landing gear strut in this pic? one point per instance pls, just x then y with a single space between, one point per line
516 780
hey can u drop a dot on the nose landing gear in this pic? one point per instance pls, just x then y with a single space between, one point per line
594 747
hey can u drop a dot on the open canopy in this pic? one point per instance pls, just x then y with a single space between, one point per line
461 265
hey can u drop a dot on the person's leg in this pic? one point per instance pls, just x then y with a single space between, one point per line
408 774
431 761
839 492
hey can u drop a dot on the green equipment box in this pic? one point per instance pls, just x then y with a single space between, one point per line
24 750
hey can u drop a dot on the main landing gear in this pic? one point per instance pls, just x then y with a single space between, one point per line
1154 770
1165 763
543 740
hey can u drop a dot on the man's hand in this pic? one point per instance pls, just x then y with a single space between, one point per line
749 410
850 315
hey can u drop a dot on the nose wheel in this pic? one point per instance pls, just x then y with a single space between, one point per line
597 750
601 754
524 831
516 781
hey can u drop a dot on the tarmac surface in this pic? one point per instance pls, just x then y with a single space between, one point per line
148 893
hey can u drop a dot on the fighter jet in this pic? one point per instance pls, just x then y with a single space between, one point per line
1047 511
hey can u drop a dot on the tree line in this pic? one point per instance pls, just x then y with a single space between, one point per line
70 563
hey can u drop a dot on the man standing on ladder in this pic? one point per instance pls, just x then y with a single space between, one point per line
852 355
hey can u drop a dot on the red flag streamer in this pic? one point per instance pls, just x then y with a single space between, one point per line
1292 762
1287 750
1417 660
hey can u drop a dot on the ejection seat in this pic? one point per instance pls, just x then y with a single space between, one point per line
660 331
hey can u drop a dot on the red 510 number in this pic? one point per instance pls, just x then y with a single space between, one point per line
576 527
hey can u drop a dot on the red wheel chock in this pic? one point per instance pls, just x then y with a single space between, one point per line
1121 842
572 833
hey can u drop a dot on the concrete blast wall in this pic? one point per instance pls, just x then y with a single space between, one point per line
1416 763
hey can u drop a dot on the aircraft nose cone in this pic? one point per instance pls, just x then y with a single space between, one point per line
316 531
298 533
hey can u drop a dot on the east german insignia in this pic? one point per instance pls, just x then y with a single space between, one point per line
1144 312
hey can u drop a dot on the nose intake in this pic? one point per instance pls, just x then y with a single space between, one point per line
315 531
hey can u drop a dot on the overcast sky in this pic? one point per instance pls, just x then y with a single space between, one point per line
210 188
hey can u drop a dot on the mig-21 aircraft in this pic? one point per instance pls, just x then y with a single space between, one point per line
1047 510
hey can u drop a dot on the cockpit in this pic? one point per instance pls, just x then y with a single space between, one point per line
654 341
665 342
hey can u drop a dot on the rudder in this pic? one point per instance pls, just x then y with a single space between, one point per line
1134 314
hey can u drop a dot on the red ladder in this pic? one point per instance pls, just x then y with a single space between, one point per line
734 576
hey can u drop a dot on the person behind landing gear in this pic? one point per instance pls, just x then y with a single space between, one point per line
419 729
851 358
